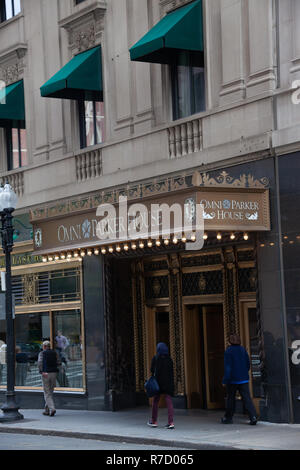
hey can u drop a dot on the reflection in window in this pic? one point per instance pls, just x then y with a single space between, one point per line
30 331
188 86
63 329
68 344
9 9
91 121
17 154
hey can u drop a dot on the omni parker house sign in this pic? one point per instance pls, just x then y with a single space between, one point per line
227 204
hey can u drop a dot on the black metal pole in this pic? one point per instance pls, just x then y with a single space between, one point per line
10 408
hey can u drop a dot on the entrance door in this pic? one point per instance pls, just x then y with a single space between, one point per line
213 332
157 331
204 356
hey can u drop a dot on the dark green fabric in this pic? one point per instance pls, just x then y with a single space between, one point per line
12 105
179 30
81 78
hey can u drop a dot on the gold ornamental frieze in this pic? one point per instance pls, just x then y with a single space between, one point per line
153 188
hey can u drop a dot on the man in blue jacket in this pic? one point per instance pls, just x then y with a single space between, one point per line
236 378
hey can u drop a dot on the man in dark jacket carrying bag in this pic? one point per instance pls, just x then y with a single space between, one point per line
162 369
236 378
48 363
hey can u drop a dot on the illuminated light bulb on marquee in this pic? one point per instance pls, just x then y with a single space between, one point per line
133 246
175 240
62 256
141 245
232 236
103 251
82 253
205 236
110 249
150 244
118 249
193 237
183 239
126 247
166 241
246 236
96 251
158 243
219 236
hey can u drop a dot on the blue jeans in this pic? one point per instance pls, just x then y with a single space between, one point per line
245 394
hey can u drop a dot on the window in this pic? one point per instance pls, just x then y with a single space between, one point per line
44 312
78 1
16 143
91 123
188 85
9 9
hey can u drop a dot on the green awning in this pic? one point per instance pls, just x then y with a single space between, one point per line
81 78
12 105
180 30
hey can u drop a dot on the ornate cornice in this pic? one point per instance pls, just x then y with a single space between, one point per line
147 189
168 5
85 27
12 64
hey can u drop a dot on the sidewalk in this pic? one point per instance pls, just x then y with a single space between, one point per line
195 429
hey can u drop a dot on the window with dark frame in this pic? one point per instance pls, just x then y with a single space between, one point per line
91 123
9 9
16 144
188 85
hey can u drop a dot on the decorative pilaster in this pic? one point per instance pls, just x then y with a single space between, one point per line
176 327
138 295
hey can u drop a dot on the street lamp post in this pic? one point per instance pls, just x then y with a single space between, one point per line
8 203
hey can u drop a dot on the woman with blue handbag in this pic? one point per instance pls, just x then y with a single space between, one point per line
162 369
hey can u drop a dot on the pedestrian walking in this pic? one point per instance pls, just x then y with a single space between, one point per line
162 369
48 363
236 378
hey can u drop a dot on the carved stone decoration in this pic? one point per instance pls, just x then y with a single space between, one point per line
85 28
169 5
85 39
12 73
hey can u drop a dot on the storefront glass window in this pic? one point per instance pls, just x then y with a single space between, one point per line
63 330
30 331
68 344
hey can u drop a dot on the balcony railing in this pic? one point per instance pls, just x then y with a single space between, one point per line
185 138
16 180
88 165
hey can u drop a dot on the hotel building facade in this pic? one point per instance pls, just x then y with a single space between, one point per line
159 101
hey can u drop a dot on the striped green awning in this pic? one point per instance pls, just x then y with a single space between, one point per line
12 105
81 78
180 30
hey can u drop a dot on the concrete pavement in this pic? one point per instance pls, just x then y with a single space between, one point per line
194 429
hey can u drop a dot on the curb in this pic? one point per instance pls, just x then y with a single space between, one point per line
125 439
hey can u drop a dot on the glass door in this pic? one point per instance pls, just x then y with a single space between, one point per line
213 332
